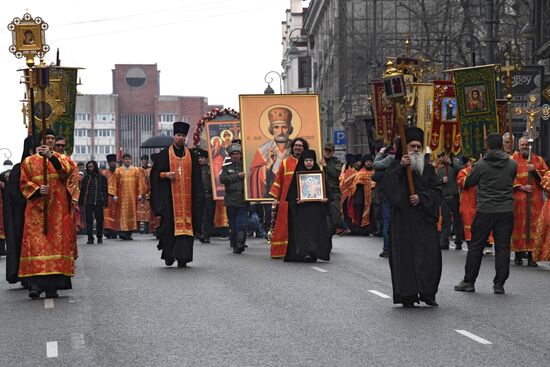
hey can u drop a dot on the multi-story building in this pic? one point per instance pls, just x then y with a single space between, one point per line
134 112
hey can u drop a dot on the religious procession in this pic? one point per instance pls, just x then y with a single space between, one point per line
418 178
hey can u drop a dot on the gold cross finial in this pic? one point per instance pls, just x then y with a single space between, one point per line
532 112
408 45
507 70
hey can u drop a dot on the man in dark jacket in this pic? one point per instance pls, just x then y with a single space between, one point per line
232 176
450 206
333 168
94 197
494 176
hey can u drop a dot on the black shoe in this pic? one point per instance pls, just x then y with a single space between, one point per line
384 254
518 258
182 264
238 250
100 240
201 239
465 287
207 240
530 261
458 247
90 242
430 301
169 262
51 294
35 292
498 289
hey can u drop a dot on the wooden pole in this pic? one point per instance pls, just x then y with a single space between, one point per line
42 81
399 118
528 214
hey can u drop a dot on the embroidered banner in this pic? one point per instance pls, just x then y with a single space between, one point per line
502 116
424 108
383 113
445 132
477 111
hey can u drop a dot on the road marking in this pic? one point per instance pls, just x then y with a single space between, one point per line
319 269
379 294
48 303
473 337
51 349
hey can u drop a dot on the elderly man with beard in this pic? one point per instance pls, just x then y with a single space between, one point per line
414 253
527 189
269 156
494 176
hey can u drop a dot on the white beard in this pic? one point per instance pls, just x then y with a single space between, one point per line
417 163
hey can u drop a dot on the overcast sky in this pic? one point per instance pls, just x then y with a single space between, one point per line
213 48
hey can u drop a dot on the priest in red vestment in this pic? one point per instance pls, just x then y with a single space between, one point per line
47 259
177 196
525 186
542 236
279 190
110 222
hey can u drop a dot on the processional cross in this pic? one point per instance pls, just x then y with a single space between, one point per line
508 69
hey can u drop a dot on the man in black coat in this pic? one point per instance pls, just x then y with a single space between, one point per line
177 196
414 253
94 197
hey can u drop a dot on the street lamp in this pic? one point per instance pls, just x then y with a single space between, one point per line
269 89
8 164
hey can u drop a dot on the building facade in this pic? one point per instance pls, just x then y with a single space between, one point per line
120 122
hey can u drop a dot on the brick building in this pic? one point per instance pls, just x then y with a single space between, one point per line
134 112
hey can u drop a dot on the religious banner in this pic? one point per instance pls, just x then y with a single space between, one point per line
445 128
383 114
424 107
219 135
502 116
268 125
477 111
60 103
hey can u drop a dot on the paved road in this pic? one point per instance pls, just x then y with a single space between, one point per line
128 309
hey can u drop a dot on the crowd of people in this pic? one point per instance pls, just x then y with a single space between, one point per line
417 202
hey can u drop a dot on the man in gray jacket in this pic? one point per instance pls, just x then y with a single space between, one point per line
494 176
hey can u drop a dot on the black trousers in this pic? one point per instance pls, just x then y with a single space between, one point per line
208 217
91 212
502 225
450 214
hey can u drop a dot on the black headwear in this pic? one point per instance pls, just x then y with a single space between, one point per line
414 133
111 157
356 158
309 154
181 128
28 145
201 153
366 157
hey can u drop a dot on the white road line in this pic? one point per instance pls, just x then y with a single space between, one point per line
473 337
48 303
379 294
319 269
51 349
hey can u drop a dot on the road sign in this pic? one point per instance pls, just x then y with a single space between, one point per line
340 137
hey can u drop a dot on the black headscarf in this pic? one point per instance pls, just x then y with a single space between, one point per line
292 193
28 145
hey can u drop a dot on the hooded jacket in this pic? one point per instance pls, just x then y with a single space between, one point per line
93 188
494 176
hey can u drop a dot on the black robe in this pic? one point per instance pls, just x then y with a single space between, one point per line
14 219
414 254
175 247
308 229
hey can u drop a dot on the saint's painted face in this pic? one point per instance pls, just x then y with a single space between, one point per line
280 131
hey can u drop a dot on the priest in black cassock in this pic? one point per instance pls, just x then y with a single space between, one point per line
309 238
177 196
14 215
415 255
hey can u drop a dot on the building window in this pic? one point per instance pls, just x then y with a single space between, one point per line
167 117
81 149
104 149
104 132
82 116
104 117
81 132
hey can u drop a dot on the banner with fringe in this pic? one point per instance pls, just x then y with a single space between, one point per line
445 130
477 107
424 106
383 114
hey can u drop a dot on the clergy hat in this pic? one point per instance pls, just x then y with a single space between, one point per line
234 148
111 157
349 158
366 157
356 158
49 132
309 153
181 128
414 134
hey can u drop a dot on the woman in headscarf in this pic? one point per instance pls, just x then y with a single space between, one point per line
308 233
